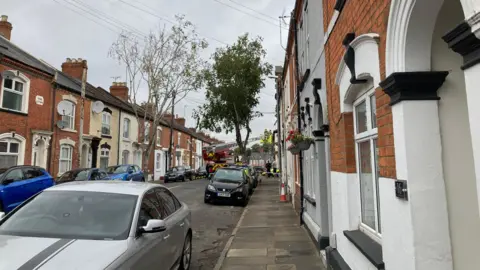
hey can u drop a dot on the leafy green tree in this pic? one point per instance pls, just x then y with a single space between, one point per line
256 148
233 84
267 141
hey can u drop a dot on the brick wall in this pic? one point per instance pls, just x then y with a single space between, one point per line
360 17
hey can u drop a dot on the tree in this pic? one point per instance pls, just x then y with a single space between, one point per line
164 66
256 148
233 84
267 141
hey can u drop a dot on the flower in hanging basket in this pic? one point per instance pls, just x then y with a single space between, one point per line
296 137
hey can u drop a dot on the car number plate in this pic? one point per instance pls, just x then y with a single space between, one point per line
223 194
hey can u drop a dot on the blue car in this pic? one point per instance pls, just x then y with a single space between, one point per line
85 174
126 173
19 183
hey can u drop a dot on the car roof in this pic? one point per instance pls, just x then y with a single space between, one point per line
231 168
110 186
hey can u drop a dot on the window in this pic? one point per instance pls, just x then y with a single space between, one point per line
69 118
159 136
14 90
106 120
146 132
150 208
15 175
30 173
9 151
126 128
307 37
367 163
179 138
157 161
167 201
125 156
66 154
104 157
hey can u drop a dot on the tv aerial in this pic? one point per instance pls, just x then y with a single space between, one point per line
98 106
64 107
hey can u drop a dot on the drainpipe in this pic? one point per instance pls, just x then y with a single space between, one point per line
52 126
299 123
120 135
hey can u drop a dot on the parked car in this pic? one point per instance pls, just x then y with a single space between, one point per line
98 225
19 183
84 174
178 173
251 176
190 172
201 172
228 184
126 173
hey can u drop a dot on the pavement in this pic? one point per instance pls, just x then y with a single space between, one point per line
268 236
212 225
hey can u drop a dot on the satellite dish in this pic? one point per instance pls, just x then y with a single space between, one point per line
62 124
98 106
64 107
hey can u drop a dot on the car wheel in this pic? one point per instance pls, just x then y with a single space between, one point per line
1 207
186 253
142 180
244 202
205 200
183 178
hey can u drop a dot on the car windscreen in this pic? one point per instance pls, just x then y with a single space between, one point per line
117 169
73 215
80 175
231 175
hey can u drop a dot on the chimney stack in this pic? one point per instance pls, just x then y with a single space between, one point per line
120 90
5 27
74 67
180 120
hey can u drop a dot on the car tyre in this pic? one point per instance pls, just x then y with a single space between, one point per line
186 258
1 207
205 200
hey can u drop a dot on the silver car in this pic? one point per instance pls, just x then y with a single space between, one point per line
98 225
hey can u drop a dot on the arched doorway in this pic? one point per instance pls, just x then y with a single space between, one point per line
457 153
433 145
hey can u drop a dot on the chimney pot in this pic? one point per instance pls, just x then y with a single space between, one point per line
4 18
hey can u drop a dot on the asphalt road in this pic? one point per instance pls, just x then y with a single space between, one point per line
212 224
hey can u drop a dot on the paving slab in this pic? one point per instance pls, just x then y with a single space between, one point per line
269 237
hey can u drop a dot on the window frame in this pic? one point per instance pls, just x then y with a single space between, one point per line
68 159
179 139
146 132
105 116
15 76
370 135
159 136
126 128
71 116
103 156
125 151
8 152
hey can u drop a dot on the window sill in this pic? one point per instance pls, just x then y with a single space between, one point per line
14 112
367 246
106 136
310 200
126 139
69 130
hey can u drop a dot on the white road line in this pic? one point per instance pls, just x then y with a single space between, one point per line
173 187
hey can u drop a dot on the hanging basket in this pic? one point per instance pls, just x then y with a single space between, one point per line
303 145
294 150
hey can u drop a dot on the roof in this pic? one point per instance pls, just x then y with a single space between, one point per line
10 50
117 187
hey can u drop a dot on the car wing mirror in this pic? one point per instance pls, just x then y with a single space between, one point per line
2 215
130 171
154 226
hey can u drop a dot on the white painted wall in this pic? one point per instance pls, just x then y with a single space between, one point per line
127 144
457 154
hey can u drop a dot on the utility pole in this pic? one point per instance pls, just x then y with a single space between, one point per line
82 113
170 147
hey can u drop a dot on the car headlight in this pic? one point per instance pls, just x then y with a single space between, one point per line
239 189
211 188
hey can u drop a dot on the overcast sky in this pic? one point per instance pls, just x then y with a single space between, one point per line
53 30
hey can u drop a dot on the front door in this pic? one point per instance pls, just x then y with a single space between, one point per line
159 164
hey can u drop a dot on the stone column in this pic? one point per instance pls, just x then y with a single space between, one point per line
418 198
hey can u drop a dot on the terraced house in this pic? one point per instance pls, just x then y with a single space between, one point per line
40 119
401 189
